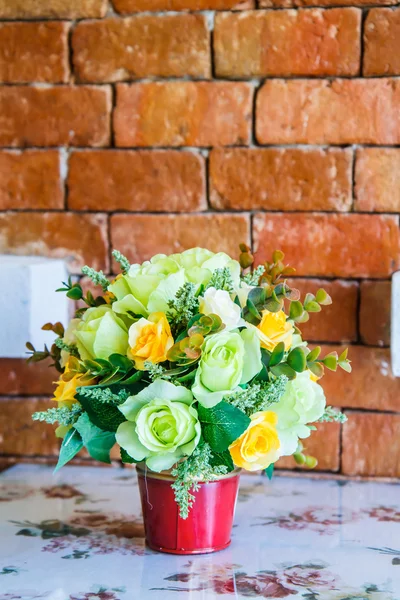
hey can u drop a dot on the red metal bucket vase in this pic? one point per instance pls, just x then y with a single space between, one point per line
209 524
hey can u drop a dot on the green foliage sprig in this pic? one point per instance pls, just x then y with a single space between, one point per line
97 277
299 311
105 395
184 306
155 371
332 415
70 348
62 415
253 278
197 467
122 261
300 358
221 279
54 353
74 291
116 369
258 395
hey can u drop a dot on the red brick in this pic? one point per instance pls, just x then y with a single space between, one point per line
17 377
381 39
34 52
337 322
331 245
289 3
343 111
60 9
30 179
139 237
79 238
20 435
375 312
142 46
371 445
136 181
258 43
130 6
324 444
33 116
377 177
183 114
371 384
281 179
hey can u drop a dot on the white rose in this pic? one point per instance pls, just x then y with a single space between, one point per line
219 302
303 402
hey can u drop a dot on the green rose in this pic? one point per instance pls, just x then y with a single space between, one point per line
162 425
148 287
227 360
200 263
303 402
101 333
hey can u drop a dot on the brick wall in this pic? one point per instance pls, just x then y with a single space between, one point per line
276 123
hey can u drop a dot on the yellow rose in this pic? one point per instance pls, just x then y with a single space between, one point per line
274 328
65 393
149 340
66 387
259 445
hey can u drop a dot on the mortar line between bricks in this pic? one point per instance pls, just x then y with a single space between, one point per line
160 13
242 211
248 79
200 149
358 312
364 15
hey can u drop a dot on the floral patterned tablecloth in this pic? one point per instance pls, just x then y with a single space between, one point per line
78 535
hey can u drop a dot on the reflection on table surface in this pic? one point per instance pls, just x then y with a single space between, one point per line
78 535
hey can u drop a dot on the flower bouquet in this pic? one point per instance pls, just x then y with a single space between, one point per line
194 365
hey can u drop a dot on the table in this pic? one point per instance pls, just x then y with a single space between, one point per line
78 535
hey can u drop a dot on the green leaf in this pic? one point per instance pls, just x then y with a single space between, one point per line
272 305
316 368
322 297
104 416
257 296
313 355
277 354
71 445
297 359
97 442
309 298
253 310
269 471
304 317
284 369
75 293
343 356
125 457
312 307
330 361
121 362
222 425
219 459
133 378
345 365
296 310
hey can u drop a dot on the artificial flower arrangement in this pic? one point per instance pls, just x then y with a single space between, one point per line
192 362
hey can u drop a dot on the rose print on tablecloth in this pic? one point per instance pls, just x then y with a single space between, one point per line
231 579
320 519
384 513
86 534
